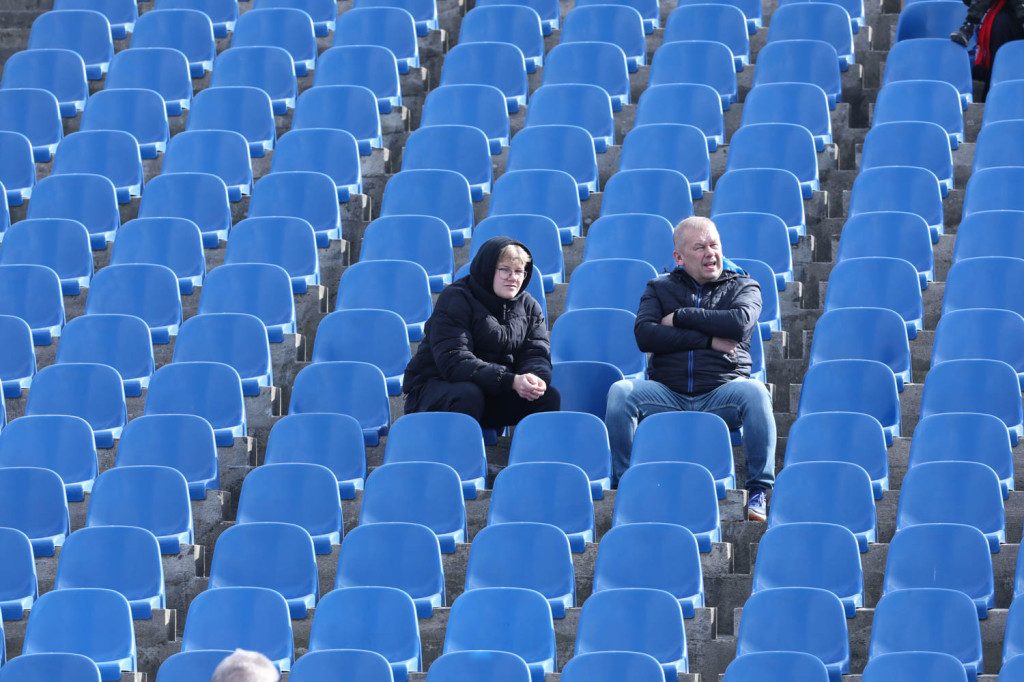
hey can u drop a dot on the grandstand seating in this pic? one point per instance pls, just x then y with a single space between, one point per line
199 197
18 360
721 22
241 108
17 167
145 290
923 100
802 103
371 66
540 235
591 62
113 154
38 667
964 436
133 110
931 59
164 70
673 146
33 293
286 241
918 144
252 618
184 442
34 503
929 19
841 437
658 436
302 194
758 236
287 27
762 190
491 665
343 335
864 333
34 113
447 437
88 390
390 27
87 198
305 150
223 153
481 106
777 665
188 31
60 244
344 387
697 61
119 341
234 339
514 24
365 665
609 283
332 440
693 104
222 13
801 61
173 242
151 497
657 191
57 71
84 31
188 663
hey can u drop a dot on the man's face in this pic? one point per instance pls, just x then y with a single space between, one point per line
508 278
701 254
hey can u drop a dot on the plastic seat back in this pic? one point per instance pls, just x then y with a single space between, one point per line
823 21
584 385
978 333
259 289
145 290
697 61
572 437
880 282
61 244
762 190
89 199
34 114
801 61
343 335
578 104
932 665
51 666
241 108
58 71
331 440
223 153
307 150
920 144
186 30
18 359
789 146
400 286
762 237
211 390
964 436
990 389
550 193
987 190
804 104
609 283
114 154
929 19
574 336
390 27
907 233
17 167
842 437
371 66
175 243
151 497
674 146
286 241
34 503
915 100
631 235
235 339
429 493
462 149
693 104
84 31
1004 98
547 10
132 110
900 188
444 194
989 233
545 492
33 293
352 108
995 146
164 70
323 12
287 27
865 386
721 22
480 106
363 665
252 618
609 24
467 665
595 63
658 191
191 664
657 438
87 390
119 341
421 239
221 12
866 334
515 24
354 388
777 666
931 59
182 441
446 437
199 197
501 65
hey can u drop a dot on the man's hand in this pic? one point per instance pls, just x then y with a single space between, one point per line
669 320
727 346
529 386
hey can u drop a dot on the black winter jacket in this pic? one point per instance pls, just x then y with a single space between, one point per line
683 359
475 335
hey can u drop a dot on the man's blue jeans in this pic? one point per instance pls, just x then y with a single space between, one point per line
739 402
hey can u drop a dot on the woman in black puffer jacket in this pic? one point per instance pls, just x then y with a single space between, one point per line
485 349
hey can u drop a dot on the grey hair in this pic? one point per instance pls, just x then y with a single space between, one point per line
246 666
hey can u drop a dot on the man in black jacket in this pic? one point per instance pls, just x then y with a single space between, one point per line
697 322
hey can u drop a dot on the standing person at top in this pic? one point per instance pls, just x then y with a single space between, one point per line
976 10
697 321
485 349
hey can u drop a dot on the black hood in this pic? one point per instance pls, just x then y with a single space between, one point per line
481 272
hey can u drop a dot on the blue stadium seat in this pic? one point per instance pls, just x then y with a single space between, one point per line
576 104
199 197
1003 102
446 437
34 503
693 104
399 286
119 341
515 24
369 66
822 555
33 293
609 283
988 190
186 30
240 108
84 31
658 191
259 289
59 72
970 437
906 234
855 8
548 11
801 61
102 628
929 19
302 494
1007 67
58 243
548 193
610 24
221 12
661 556
931 59
334 153
323 12
87 390
443 194
353 388
332 440
211 390
788 146
458 148
352 108
287 27
644 620
538 232
18 358
164 70
804 104
424 12
361 665
252 618
480 106
285 241
120 14
499 666
865 386
89 199
566 148
223 153
864 333
673 146
545 492
17 166
919 144
51 666
190 664
132 110
879 282
919 100
145 290
595 63
979 333
648 10
390 27
572 437
641 236
931 665
420 239
762 237
777 666
682 493
822 21
34 113
928 619
751 9
120 558
509 619
998 145
770 620
607 666
989 233
181 441
173 242
278 556
762 190
377 337
974 385
379 619
584 384
697 61
841 437
429 493
1010 670
235 339
151 497
114 154
900 188
601 334
657 438
406 556
18 583
721 22
1013 637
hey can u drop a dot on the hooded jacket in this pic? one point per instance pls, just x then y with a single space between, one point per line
683 359
475 335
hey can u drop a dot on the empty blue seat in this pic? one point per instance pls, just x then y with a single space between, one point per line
822 555
601 334
584 384
17 166
542 192
323 12
302 494
648 10
145 290
865 386
548 11
186 664
278 556
285 241
114 154
289 28
794 666
444 194
332 440
693 104
186 30
34 503
906 234
260 289
89 199
182 441
979 333
377 337
335 153
545 492
509 619
822 21
150 497
539 233
573 437
354 388
594 63
900 188
121 14
500 666
788 146
34 113
770 620
697 61
722 22
638 619
369 66
801 61
864 333
661 556
855 8
235 339
989 390
241 108
930 19
762 190
59 72
164 70
963 436
610 24
518 25
1011 668
390 27
609 283
641 236
931 59
211 390
378 619
102 628
841 437
447 437
252 618
18 359
362 665
199 197
480 106
988 190
998 145
762 237
133 110
1006 68
673 146
351 108
880 282
1003 102
221 12
119 341
751 9
120 558
576 104
500 65
173 242
458 148
399 286
51 666
919 144
420 239
87 390
33 293
920 100
406 556
658 191
428 493
223 153
58 243
804 104
657 437
84 31
989 233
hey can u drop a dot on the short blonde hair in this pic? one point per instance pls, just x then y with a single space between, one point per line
694 224
513 253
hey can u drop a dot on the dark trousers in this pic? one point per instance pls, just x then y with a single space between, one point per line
466 397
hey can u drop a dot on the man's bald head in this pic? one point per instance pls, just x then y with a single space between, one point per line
698 249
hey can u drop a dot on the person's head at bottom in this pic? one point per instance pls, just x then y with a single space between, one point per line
246 666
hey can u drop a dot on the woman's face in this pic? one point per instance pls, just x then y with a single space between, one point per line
508 278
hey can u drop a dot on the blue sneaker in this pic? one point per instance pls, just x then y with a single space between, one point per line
757 506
